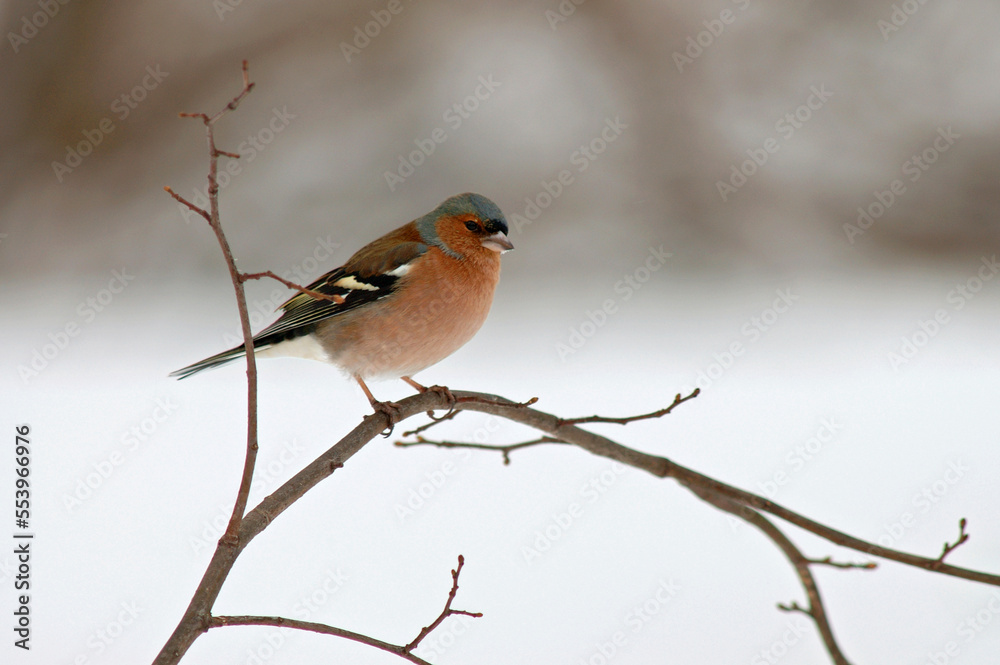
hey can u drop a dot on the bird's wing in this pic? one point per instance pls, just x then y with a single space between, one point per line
361 281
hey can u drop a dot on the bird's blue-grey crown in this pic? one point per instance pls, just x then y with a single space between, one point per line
477 204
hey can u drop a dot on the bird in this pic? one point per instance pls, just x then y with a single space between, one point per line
400 304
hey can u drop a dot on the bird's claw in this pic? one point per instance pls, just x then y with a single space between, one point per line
392 415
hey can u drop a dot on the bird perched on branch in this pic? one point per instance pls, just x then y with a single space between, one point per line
399 305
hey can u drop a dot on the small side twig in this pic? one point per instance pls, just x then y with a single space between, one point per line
795 607
447 611
311 626
962 538
453 411
247 276
659 413
504 450
828 561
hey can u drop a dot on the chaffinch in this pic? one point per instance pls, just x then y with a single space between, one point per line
401 304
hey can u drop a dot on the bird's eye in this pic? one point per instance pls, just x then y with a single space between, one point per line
472 226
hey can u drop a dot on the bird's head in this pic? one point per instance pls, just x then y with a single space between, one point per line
466 225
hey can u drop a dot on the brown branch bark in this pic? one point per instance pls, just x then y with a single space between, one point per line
282 622
816 610
257 519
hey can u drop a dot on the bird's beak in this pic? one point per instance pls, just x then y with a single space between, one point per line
498 242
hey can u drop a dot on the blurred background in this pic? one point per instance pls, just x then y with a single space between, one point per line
792 206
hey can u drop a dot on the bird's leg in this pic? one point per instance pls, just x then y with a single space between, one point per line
389 409
440 390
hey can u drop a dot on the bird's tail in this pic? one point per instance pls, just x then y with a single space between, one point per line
265 344
218 359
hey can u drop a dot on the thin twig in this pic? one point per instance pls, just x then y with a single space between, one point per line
794 607
659 413
962 538
662 467
229 546
447 611
212 215
504 450
828 561
246 277
282 622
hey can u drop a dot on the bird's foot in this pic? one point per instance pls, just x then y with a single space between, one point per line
390 410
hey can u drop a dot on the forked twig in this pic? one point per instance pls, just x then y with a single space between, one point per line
403 651
625 420
962 538
447 611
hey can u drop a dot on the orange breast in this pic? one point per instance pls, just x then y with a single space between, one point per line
438 308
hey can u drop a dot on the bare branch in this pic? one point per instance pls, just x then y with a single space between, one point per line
212 215
282 622
485 399
698 483
678 400
504 450
447 611
816 611
199 609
